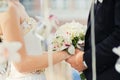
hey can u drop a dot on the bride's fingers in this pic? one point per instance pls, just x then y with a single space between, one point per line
69 60
77 51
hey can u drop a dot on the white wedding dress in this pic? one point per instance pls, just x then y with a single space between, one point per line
33 45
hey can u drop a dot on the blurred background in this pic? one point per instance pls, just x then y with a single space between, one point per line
65 10
58 13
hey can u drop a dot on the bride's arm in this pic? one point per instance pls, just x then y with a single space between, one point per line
10 25
11 32
33 63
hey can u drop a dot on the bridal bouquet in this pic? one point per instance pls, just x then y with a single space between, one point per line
68 37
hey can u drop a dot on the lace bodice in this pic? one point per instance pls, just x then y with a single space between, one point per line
32 42
28 24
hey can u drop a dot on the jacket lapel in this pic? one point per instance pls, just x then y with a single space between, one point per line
88 33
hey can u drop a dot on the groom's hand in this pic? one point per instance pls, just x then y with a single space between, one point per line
76 60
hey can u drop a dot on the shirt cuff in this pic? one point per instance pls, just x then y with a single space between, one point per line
85 64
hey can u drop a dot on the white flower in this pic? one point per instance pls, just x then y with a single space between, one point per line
100 1
12 48
8 52
71 49
67 36
117 65
117 50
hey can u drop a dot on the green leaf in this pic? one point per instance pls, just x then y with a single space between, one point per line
75 41
82 76
82 36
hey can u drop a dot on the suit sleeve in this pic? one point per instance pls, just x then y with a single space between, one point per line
104 53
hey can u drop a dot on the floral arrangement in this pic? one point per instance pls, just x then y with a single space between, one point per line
68 37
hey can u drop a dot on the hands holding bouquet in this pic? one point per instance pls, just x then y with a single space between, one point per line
70 37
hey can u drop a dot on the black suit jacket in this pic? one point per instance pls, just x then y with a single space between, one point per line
107 36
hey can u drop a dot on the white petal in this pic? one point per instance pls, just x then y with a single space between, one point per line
2 57
117 51
14 57
100 1
117 66
2 60
71 49
13 46
63 47
3 67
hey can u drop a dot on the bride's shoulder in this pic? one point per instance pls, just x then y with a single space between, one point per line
10 15
12 10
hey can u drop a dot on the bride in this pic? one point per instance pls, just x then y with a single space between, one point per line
16 25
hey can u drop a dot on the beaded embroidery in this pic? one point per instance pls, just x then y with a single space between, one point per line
28 24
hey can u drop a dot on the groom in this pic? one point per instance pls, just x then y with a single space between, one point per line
107 36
